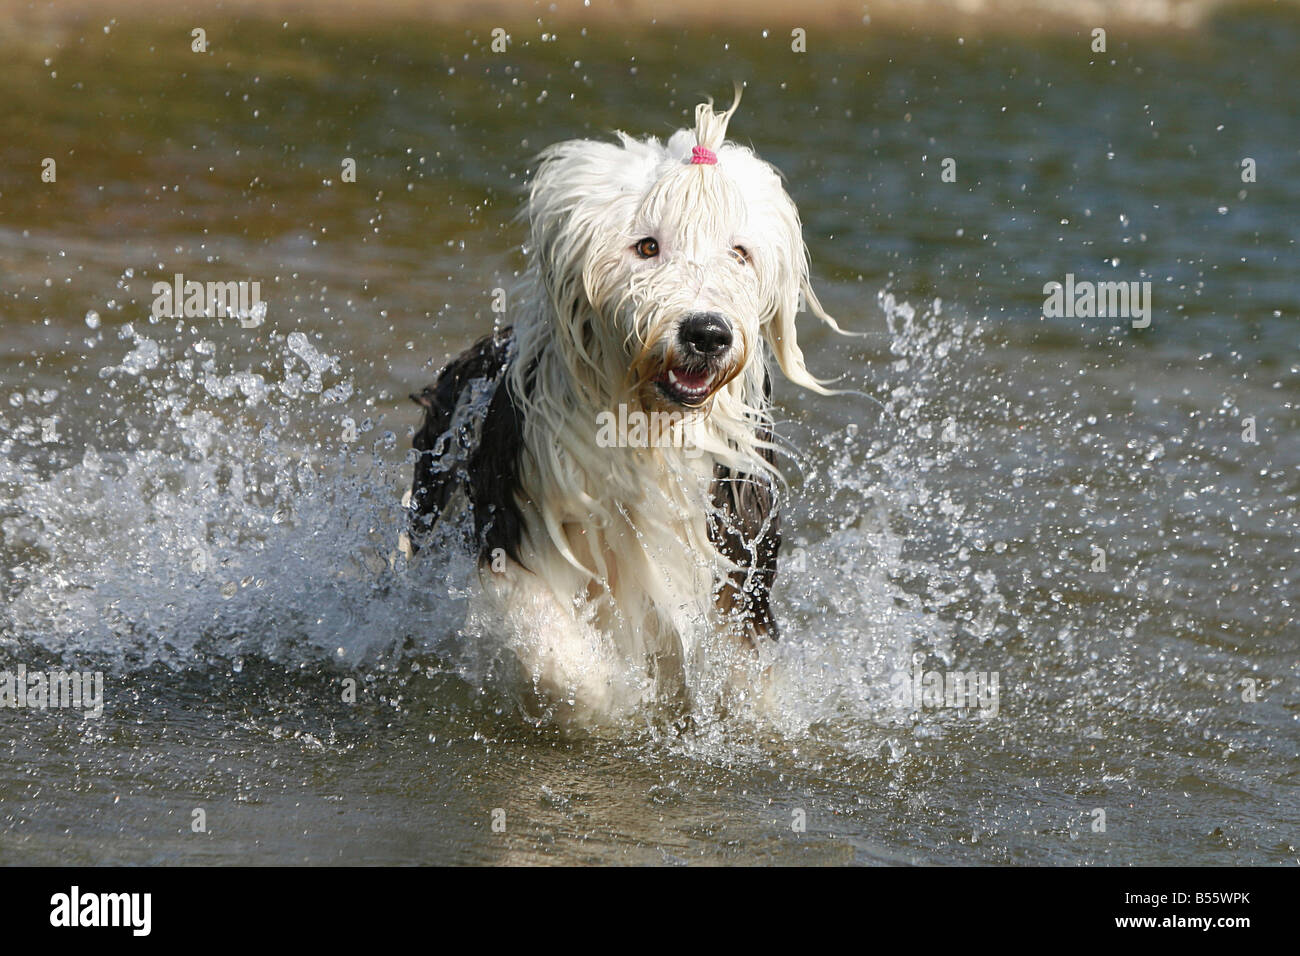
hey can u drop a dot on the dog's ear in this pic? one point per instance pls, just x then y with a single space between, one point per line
584 191
789 293
581 203
555 206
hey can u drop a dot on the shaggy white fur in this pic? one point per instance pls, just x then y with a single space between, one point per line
661 282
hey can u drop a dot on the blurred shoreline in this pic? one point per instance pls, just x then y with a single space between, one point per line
941 16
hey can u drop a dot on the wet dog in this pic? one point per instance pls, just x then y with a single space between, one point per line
613 447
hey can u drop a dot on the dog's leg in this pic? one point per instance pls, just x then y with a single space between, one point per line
572 665
745 527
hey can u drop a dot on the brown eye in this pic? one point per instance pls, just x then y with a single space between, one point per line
647 248
741 254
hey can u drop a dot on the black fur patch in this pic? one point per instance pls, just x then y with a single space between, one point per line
746 528
483 462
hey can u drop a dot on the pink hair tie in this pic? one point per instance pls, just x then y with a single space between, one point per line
703 156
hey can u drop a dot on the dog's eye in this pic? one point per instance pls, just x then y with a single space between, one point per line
647 248
740 254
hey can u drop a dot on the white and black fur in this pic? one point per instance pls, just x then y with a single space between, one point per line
615 574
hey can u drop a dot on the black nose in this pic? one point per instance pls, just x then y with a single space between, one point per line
706 333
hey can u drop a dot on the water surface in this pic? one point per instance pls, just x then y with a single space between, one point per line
199 526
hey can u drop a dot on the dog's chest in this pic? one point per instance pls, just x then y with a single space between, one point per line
657 566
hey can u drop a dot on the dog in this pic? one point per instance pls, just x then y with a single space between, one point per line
662 286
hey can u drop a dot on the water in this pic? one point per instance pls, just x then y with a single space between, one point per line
208 512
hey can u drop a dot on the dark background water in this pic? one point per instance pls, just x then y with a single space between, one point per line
209 540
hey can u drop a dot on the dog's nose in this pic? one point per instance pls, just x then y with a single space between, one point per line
705 332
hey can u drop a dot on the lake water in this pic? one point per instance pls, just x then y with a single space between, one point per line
1104 517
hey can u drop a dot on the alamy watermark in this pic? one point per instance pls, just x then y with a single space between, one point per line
182 298
41 690
1084 299
920 689
633 428
74 909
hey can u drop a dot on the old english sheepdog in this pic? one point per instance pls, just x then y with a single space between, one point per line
613 446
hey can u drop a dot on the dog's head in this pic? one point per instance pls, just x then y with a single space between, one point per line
668 266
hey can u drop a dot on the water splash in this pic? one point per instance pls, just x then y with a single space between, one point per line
237 525
246 521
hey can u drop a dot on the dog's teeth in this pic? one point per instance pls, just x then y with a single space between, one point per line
672 376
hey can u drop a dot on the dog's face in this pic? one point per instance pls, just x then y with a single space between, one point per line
667 275
685 292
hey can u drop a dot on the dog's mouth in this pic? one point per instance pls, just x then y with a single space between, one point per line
685 386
